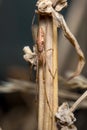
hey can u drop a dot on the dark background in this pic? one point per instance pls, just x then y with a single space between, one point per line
15 31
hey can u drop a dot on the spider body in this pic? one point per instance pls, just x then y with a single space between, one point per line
40 42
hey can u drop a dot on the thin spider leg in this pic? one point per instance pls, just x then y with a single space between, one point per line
47 100
37 81
53 75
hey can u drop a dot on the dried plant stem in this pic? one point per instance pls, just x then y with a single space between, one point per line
48 80
41 100
46 113
41 86
75 105
55 72
48 89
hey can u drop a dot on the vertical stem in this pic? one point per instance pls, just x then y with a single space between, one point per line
55 72
41 102
48 91
48 80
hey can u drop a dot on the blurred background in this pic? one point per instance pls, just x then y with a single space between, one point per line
18 108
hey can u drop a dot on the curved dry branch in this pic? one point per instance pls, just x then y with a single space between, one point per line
67 33
74 42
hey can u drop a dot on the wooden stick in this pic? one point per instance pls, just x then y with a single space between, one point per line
48 80
48 97
41 102
55 72
75 105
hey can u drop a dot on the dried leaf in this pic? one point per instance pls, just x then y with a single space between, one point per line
60 5
29 56
64 116
44 6
74 42
73 127
61 23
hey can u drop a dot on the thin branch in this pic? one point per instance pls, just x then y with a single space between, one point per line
75 105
